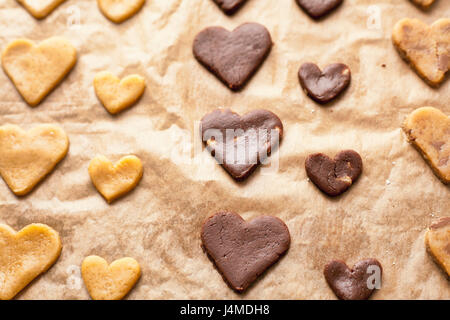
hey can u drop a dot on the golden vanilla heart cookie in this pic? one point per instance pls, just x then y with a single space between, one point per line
120 10
425 4
36 70
425 48
115 180
109 282
40 8
115 94
437 240
24 255
428 129
26 157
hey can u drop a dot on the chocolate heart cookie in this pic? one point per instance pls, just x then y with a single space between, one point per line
334 177
352 284
229 6
242 250
233 56
324 86
318 8
238 143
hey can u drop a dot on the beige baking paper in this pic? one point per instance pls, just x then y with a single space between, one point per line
384 215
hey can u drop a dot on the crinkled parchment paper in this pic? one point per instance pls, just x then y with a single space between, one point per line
384 215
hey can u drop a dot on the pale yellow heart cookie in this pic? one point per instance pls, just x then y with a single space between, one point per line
428 129
109 282
36 69
115 180
425 48
119 10
423 3
437 240
115 94
40 8
26 157
24 255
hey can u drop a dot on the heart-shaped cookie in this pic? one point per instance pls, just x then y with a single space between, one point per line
229 6
26 157
119 10
334 176
425 4
324 86
40 8
233 56
24 255
109 282
437 240
428 130
115 180
241 143
318 8
353 284
36 69
425 48
115 94
242 250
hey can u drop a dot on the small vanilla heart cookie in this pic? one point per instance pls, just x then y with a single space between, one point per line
109 282
428 129
425 48
36 70
26 157
40 8
24 255
119 10
425 4
115 94
115 180
437 240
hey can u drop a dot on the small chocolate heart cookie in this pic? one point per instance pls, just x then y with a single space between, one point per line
242 250
230 6
233 56
324 86
238 143
334 177
353 284
318 8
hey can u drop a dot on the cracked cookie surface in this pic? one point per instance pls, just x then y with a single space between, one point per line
334 176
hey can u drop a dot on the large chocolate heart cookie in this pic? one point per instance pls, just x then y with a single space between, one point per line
318 8
241 143
229 6
324 86
233 56
334 177
353 284
242 250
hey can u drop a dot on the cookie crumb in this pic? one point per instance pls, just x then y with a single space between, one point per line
383 65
